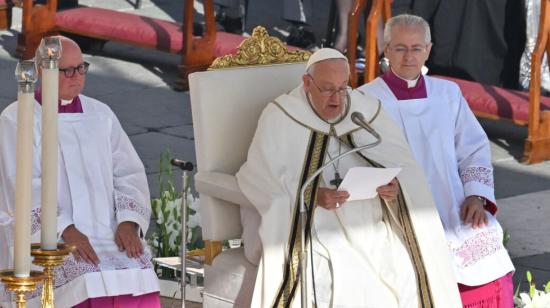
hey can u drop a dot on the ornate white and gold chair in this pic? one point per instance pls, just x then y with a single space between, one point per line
226 102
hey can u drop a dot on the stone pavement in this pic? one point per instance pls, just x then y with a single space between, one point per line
136 84
523 197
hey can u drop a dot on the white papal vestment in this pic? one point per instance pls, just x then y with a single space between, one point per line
102 183
362 257
449 143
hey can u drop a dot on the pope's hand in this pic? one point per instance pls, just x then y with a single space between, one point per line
127 239
472 212
388 192
83 249
331 198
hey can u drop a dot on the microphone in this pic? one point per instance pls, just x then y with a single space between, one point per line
183 165
358 119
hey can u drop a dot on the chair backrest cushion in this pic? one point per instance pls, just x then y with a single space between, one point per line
226 105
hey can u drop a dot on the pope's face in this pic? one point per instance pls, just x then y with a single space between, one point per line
407 51
71 57
327 85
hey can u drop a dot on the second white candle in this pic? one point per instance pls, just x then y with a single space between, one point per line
50 96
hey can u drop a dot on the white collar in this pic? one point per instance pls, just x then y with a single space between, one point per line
65 102
411 83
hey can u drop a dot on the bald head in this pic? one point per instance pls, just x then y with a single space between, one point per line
71 58
69 46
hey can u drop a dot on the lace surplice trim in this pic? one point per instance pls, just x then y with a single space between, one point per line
35 226
481 175
125 203
35 220
73 269
478 247
6 296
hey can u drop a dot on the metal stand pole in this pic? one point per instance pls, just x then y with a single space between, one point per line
184 166
184 180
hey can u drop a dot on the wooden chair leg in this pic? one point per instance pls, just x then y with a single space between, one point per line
38 21
537 146
5 18
353 31
198 52
211 250
182 84
27 44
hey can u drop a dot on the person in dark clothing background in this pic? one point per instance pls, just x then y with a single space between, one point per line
297 13
480 40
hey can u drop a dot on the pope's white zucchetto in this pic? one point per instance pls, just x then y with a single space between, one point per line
324 54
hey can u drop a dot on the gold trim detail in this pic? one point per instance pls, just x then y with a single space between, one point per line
21 285
276 103
49 259
315 154
260 49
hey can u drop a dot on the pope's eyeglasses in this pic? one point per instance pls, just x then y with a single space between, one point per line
328 92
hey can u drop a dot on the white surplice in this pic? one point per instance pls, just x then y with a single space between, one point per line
360 259
102 183
450 144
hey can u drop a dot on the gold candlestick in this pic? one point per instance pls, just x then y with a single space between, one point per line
49 259
21 285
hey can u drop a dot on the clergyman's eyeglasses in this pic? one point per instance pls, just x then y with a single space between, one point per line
415 50
71 70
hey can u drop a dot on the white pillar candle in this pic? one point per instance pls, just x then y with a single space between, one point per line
23 177
50 96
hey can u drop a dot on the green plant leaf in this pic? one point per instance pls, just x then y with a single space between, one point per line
516 294
505 238
532 288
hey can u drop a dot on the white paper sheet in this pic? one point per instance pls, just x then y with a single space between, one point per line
361 182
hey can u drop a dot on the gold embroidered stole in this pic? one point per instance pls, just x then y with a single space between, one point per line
409 236
313 161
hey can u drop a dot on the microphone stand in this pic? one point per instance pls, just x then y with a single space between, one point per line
358 120
187 166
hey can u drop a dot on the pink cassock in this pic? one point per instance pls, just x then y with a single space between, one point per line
495 294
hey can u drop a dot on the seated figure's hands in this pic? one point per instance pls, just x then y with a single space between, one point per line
127 239
473 212
331 198
389 192
83 249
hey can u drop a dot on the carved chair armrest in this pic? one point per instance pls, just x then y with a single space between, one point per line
222 186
